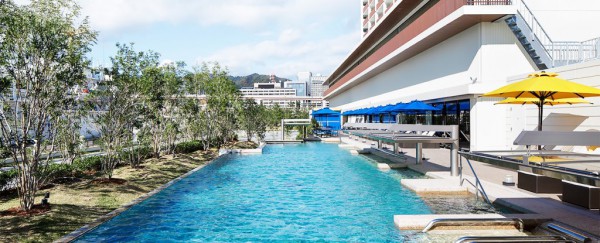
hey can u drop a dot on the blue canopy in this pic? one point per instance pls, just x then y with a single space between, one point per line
395 108
325 111
374 110
416 105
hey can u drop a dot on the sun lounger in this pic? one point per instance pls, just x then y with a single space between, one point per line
581 194
538 183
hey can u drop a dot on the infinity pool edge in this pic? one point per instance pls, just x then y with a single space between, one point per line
89 227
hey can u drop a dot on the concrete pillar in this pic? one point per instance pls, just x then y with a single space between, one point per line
395 148
379 144
282 130
304 128
419 153
454 152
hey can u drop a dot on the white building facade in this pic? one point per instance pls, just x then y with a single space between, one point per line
447 53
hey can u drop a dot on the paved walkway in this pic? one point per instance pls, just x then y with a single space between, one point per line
546 205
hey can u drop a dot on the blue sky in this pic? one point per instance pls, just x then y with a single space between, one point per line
282 37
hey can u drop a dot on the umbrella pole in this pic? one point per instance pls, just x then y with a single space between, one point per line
541 115
540 118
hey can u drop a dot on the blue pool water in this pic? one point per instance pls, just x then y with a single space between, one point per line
310 191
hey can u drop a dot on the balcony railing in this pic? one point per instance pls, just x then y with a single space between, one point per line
489 2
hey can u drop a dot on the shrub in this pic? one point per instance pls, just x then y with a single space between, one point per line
88 163
7 177
135 156
60 170
188 147
4 152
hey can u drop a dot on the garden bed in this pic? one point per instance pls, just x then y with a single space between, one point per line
74 203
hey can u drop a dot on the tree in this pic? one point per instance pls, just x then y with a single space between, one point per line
251 119
161 97
222 98
118 104
42 59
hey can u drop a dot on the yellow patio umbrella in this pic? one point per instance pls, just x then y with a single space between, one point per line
536 101
544 86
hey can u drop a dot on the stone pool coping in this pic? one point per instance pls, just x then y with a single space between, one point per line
258 150
89 227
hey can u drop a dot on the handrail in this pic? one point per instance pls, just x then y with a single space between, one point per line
570 233
534 25
528 238
478 186
453 221
559 52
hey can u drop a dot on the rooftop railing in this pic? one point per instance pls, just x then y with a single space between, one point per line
560 52
489 2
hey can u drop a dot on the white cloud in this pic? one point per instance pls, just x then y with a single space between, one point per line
115 15
285 58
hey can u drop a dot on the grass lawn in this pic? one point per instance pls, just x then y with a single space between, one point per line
78 203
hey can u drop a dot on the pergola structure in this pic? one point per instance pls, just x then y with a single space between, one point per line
293 122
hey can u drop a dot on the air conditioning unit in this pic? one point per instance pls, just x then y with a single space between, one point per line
364 2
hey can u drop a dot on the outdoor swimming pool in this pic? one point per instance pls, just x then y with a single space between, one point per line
309 191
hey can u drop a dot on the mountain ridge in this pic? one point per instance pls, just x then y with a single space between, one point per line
249 80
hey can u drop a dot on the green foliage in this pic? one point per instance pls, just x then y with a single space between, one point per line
7 177
91 163
252 119
43 54
4 152
188 147
60 170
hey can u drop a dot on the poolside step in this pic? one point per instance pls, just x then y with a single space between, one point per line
347 146
418 222
434 186
388 166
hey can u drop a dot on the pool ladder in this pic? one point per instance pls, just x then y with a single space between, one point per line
470 221
478 186
563 233
528 238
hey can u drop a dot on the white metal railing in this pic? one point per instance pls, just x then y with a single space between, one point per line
560 52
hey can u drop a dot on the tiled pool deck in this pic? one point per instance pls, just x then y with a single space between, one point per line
544 205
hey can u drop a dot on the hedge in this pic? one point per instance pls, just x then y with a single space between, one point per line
188 147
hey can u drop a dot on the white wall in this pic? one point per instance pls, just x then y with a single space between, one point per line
564 117
468 64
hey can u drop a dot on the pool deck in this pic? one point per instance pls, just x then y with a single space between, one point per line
538 206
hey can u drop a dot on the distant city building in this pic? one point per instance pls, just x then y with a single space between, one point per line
305 77
268 91
300 87
294 94
318 86
267 85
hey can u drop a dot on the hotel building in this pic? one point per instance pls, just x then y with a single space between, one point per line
449 52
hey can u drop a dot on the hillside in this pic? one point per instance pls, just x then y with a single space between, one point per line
248 81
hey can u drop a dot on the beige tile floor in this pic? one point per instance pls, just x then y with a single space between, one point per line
546 205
